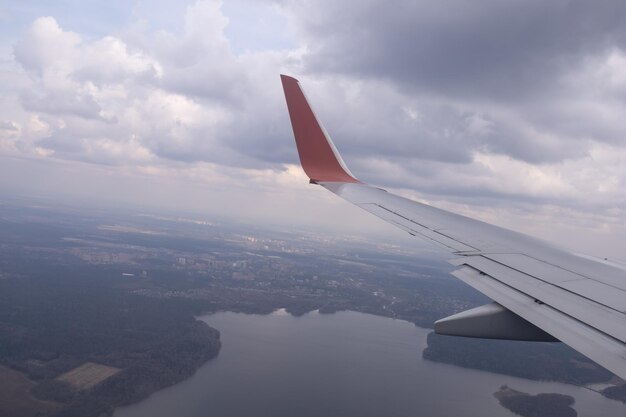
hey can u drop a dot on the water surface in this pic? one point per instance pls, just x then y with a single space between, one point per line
344 364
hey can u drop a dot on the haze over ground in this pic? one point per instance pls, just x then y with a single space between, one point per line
511 112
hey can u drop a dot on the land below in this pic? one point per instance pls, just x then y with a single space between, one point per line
97 310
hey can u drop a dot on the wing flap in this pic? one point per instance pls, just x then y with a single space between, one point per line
582 285
604 294
531 266
604 319
598 346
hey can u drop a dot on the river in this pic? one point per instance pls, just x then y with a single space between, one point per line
343 364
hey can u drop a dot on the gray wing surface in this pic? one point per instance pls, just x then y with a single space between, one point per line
540 291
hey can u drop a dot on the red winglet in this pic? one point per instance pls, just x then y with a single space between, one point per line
318 155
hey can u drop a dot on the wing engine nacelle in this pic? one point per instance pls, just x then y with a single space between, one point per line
491 321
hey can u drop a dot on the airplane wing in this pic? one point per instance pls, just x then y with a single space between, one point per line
540 292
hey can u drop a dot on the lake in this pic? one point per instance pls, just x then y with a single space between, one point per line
343 364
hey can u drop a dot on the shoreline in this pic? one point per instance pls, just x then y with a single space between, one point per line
237 326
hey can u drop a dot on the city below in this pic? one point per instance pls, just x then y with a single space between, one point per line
98 309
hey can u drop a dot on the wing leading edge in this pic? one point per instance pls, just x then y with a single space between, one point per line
540 292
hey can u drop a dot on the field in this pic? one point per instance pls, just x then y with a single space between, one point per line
88 375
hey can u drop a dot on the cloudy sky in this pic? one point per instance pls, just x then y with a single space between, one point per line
513 112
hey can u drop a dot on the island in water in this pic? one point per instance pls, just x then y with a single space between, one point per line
540 405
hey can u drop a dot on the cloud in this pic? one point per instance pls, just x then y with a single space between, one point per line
106 102
199 62
511 62
45 48
481 107
159 96
488 49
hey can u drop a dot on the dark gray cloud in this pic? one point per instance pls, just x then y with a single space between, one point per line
487 49
515 63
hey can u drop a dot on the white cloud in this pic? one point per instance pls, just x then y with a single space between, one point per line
122 104
110 60
47 49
